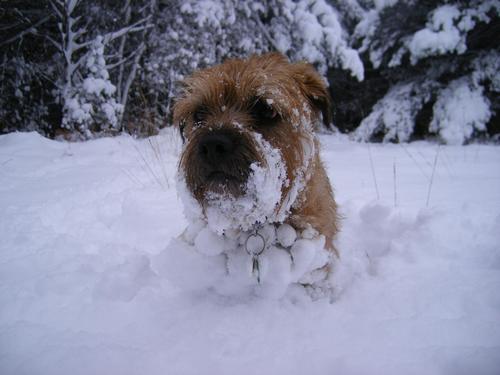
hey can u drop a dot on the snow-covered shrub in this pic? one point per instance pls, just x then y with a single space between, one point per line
447 28
26 68
392 30
311 30
442 34
23 104
486 70
393 116
425 58
190 35
386 61
91 105
460 110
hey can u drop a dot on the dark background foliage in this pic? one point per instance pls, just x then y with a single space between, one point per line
148 46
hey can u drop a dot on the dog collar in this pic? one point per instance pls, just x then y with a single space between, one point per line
255 244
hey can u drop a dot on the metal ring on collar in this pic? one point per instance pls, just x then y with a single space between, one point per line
256 234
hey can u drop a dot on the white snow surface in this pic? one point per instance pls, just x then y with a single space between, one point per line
82 227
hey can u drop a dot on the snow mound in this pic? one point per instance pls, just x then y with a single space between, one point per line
265 263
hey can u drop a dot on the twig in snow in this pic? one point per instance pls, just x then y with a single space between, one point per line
148 167
432 176
373 172
477 153
395 185
132 177
423 158
371 265
6 161
157 152
410 155
446 162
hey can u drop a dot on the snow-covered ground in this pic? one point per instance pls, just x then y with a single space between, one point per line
81 225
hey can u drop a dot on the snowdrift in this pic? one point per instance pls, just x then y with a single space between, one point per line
84 226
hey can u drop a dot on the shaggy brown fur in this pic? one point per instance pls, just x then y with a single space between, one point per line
222 106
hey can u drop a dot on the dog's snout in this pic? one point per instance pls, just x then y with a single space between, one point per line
216 147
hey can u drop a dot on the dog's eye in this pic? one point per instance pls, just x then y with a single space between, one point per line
199 115
263 112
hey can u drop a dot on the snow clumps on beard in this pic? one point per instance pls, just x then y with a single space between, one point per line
262 194
217 251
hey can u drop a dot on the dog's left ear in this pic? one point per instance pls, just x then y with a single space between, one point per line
178 115
314 89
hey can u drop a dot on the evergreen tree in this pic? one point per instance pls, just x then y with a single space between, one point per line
431 69
90 106
26 69
398 70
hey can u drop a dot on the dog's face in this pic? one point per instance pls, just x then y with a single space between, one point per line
232 114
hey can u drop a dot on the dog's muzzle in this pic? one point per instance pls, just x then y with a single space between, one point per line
220 161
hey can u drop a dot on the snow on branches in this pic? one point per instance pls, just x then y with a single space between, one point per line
393 66
91 105
460 110
315 34
394 115
434 55
447 28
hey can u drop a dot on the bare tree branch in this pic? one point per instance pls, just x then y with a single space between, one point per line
129 29
56 44
122 61
56 9
30 29
121 50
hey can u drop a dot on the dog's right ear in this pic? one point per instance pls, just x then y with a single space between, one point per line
314 88
181 126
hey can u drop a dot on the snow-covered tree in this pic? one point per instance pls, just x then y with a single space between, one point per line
91 106
394 115
25 68
397 69
189 35
426 58
311 30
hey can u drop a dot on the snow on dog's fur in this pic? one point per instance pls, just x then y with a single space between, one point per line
251 164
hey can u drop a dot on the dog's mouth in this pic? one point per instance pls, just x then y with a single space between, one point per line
220 176
221 182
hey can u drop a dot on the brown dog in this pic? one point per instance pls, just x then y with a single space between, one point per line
232 116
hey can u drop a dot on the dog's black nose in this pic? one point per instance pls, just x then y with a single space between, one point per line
216 148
